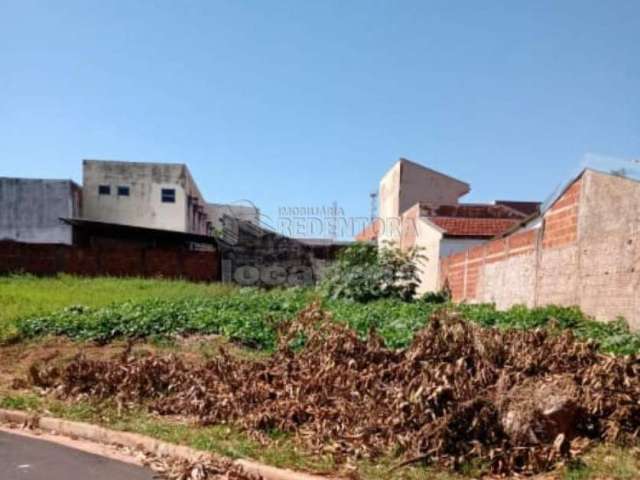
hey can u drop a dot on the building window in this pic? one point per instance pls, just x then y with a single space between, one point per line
168 195
123 191
104 190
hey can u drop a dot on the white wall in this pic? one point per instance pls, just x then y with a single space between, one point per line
421 184
143 207
434 246
408 183
428 239
389 211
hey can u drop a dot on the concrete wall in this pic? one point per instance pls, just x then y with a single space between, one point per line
429 240
609 254
389 211
30 209
406 184
585 252
421 184
143 207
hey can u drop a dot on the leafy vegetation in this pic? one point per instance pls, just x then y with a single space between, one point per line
363 272
613 337
248 316
394 320
27 295
105 308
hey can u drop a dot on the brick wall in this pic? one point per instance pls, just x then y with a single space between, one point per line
561 220
49 259
586 252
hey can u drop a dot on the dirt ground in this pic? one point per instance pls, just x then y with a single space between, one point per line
16 359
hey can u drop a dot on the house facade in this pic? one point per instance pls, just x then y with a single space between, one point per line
421 208
152 195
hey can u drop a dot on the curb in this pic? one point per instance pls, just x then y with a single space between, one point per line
136 441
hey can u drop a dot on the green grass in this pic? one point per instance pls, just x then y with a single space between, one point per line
27 296
614 337
103 309
605 462
247 316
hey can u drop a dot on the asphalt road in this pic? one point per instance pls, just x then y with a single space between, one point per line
23 458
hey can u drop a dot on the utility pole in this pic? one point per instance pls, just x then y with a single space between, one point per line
374 205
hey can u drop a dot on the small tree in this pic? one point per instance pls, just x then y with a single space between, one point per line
363 272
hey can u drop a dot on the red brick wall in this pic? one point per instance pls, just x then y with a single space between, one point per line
462 270
561 220
49 259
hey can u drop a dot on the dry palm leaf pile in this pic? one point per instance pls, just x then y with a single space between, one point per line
516 401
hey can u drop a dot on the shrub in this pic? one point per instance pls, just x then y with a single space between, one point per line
363 272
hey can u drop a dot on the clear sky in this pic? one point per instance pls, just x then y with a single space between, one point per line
302 103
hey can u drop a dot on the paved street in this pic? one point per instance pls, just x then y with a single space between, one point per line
23 458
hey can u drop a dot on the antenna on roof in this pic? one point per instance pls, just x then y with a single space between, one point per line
374 205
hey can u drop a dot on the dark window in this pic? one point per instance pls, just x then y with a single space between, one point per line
123 191
168 195
104 190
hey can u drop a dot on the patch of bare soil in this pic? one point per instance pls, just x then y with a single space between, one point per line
517 401
16 360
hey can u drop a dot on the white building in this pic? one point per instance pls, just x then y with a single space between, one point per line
153 195
420 207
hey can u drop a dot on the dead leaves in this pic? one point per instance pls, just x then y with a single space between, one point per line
516 401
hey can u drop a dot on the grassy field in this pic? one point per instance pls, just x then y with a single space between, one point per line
62 316
103 309
24 295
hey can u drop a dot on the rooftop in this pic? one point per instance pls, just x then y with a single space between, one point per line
471 219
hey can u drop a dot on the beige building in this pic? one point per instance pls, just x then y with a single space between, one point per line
420 207
152 195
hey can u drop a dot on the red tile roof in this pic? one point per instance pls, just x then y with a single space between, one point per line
472 220
462 220
473 227
370 232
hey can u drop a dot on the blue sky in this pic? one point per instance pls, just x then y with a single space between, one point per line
302 103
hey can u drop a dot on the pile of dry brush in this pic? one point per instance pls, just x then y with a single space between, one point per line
516 401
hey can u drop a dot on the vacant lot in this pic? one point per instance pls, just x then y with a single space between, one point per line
268 346
23 295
